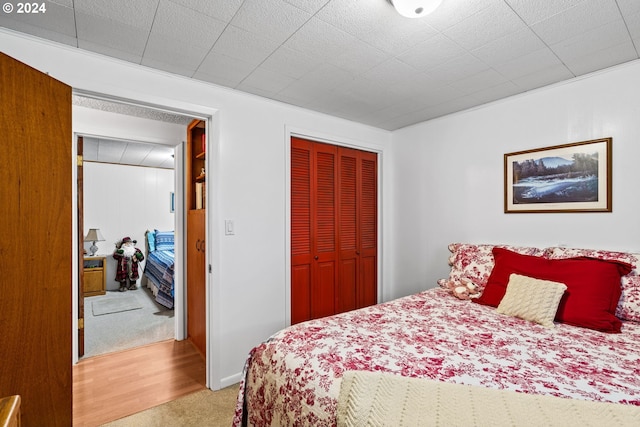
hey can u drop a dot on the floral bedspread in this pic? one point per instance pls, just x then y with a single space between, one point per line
294 378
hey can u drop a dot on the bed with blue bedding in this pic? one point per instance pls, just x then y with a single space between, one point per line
159 267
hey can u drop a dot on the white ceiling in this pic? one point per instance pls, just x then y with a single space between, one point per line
127 153
356 59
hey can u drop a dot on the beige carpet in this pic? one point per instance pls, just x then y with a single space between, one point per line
203 408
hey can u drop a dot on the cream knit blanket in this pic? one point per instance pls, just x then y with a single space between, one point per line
382 399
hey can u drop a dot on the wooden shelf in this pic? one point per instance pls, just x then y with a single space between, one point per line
196 218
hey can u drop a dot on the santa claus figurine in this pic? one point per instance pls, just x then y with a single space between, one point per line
128 257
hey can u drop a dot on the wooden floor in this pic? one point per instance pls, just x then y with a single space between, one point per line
112 386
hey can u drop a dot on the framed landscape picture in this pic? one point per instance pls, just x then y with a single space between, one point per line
572 177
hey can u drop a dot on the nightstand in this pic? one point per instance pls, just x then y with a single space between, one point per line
95 275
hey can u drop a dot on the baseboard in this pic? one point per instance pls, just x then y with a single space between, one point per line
231 380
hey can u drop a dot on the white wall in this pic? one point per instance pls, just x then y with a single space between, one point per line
248 170
450 187
123 201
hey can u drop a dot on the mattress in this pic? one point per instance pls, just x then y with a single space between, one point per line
295 377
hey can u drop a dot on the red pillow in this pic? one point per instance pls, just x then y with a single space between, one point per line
593 286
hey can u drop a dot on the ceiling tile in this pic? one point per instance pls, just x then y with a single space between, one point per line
244 45
633 24
173 55
552 74
594 40
124 152
138 13
66 3
266 81
485 26
136 153
431 53
111 52
11 23
451 106
509 47
224 10
450 13
311 6
187 25
377 24
316 83
324 40
598 60
58 19
158 157
497 92
576 20
436 95
536 11
110 151
358 60
461 67
390 72
420 84
90 149
372 93
483 80
224 70
290 62
275 20
358 57
527 64
629 7
112 35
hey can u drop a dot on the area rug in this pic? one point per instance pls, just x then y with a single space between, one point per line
126 329
114 305
203 408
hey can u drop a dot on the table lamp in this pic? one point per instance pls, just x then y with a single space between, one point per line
94 236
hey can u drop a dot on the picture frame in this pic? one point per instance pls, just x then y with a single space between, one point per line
573 177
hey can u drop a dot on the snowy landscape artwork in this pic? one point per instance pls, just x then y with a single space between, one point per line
564 178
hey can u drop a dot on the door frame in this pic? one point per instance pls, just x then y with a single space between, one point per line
291 131
178 223
212 286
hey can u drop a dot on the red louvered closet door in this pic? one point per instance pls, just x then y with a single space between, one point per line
357 229
333 229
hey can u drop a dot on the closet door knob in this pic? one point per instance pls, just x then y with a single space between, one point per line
315 257
198 245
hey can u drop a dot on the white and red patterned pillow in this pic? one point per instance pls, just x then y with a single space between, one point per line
475 261
629 304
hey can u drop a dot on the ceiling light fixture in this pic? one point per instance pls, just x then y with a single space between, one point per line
415 8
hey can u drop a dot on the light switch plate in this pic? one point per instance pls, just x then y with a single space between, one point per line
229 228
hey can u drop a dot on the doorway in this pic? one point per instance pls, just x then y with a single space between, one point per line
126 194
121 139
211 118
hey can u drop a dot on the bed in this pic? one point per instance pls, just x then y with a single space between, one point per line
294 378
159 266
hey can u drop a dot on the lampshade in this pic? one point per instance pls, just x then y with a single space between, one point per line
415 8
94 235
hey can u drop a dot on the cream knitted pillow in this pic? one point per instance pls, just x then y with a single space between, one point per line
532 299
